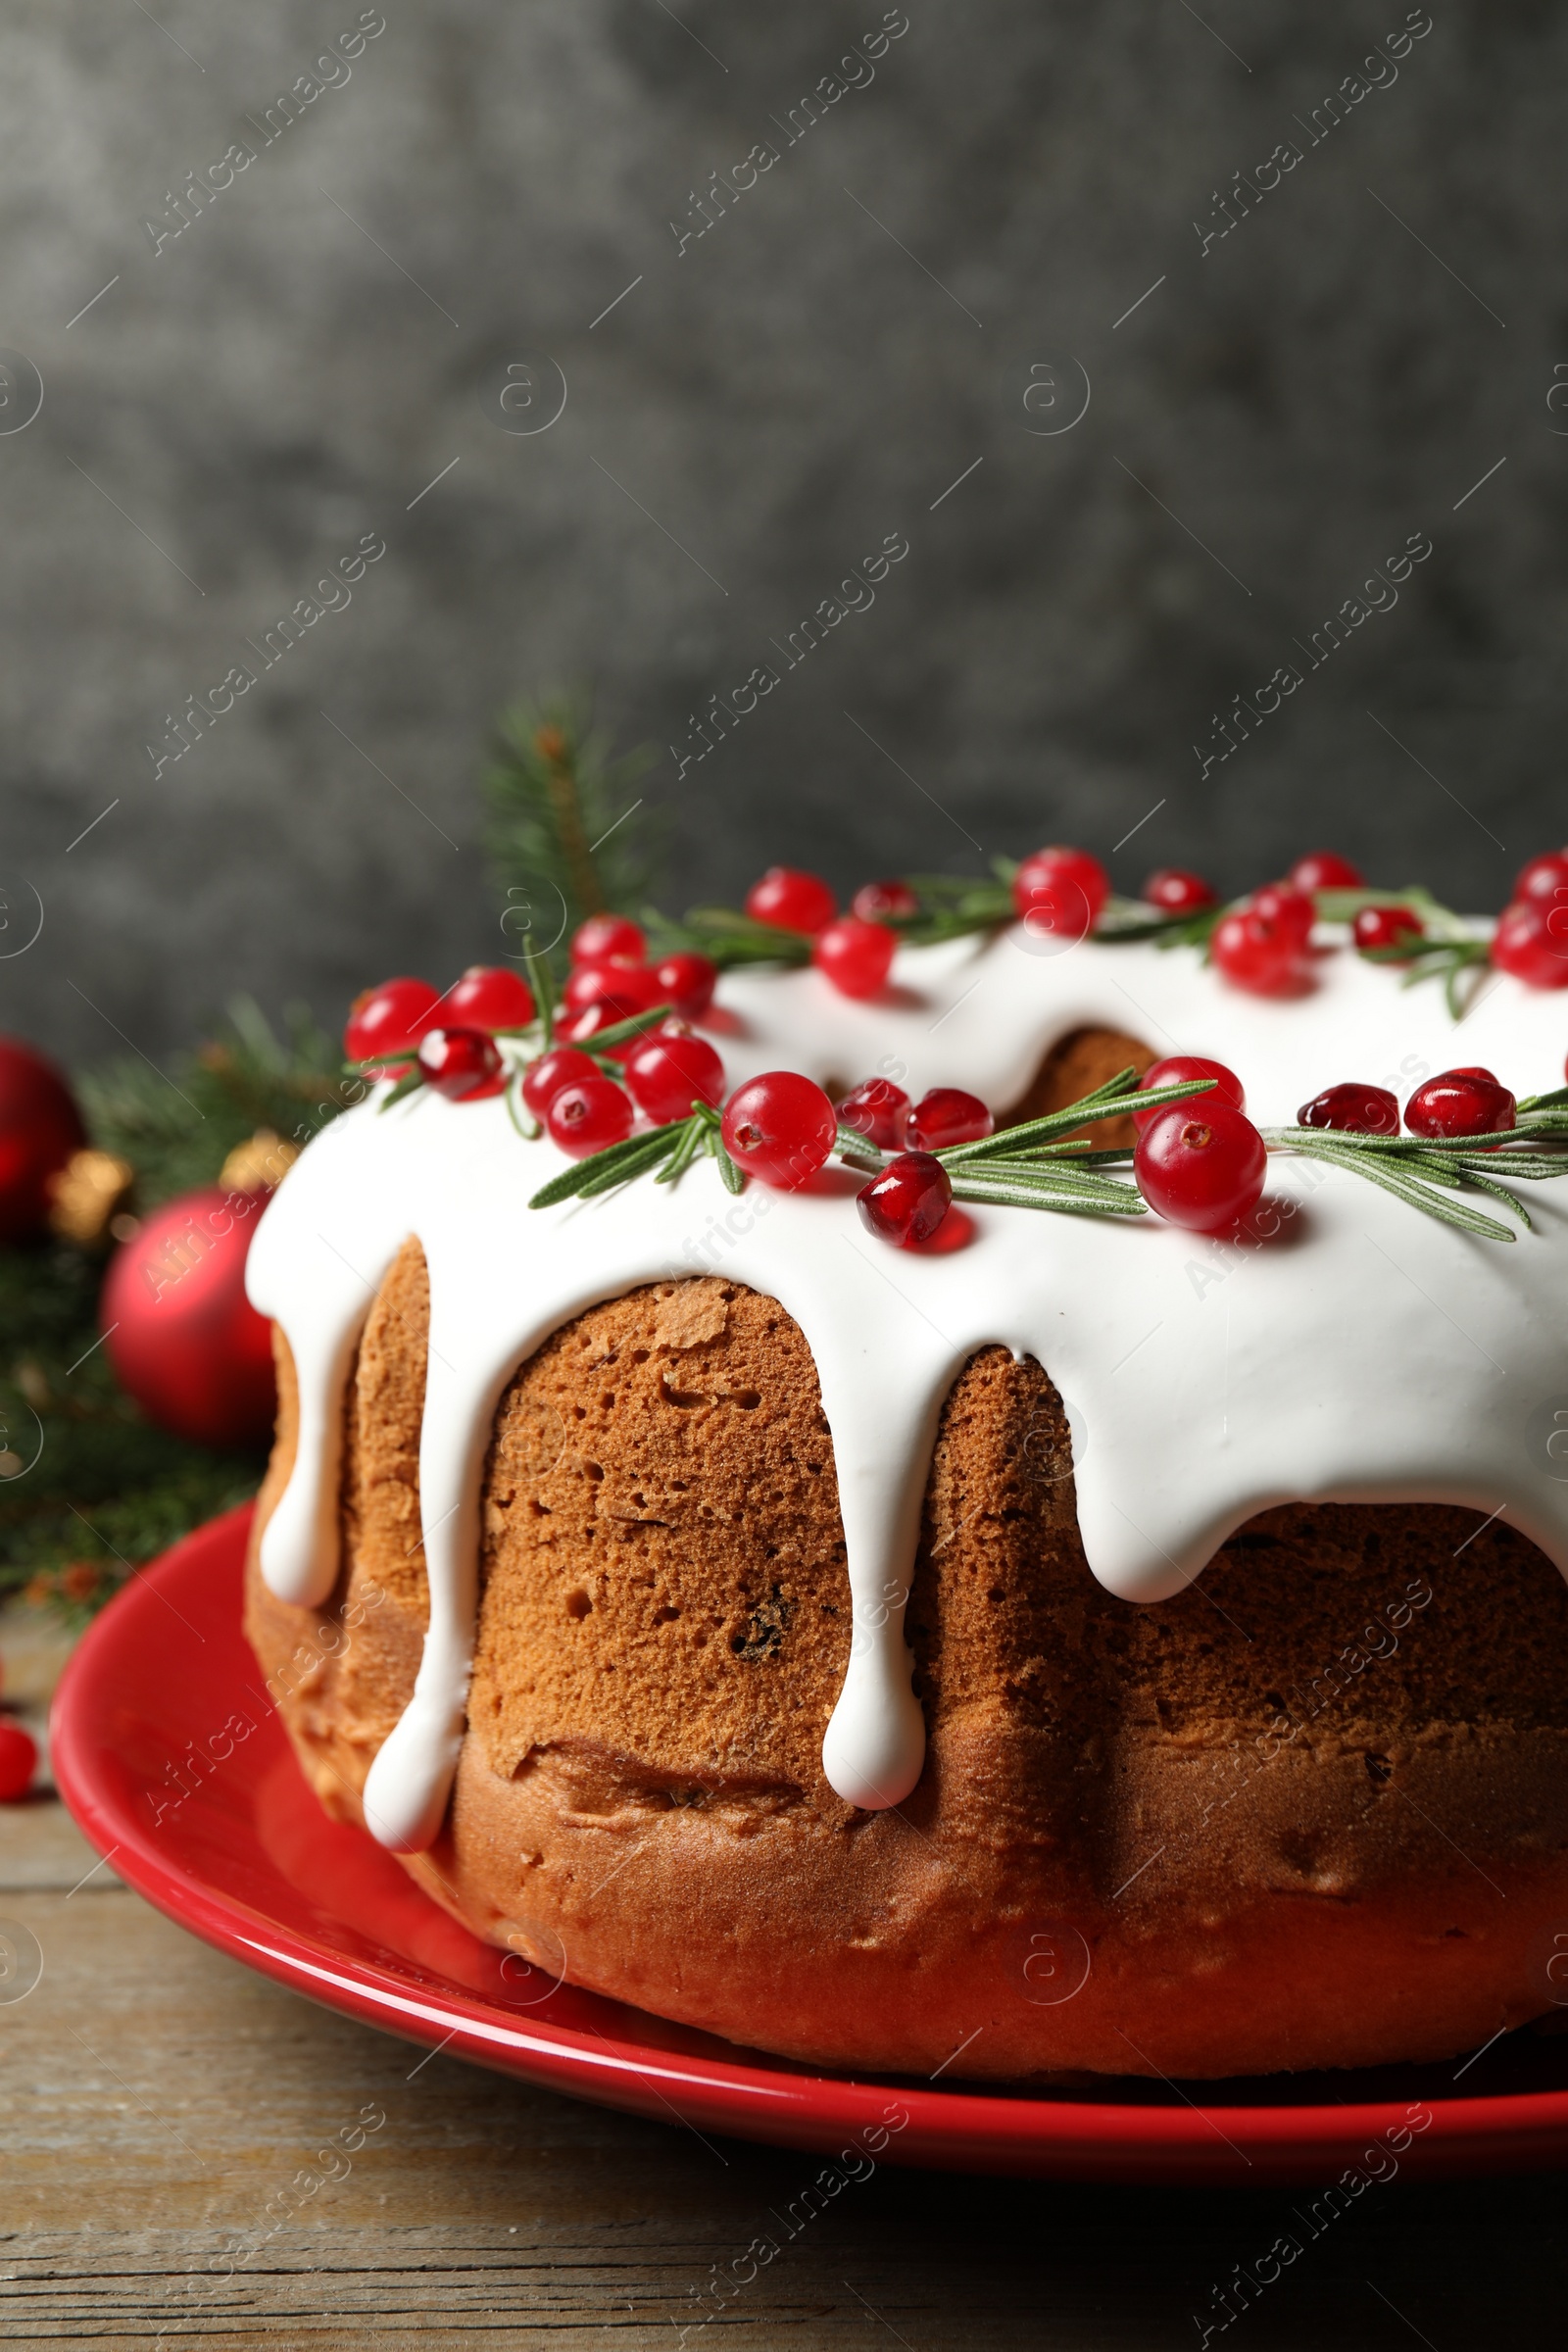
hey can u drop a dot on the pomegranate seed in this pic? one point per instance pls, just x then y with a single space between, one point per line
1175 1070
1258 953
672 1069
1174 891
1202 1169
907 1201
1467 1102
19 1753
1531 940
630 985
1360 1110
1325 869
1388 927
544 1078
882 902
1058 892
488 997
879 1109
792 901
779 1127
1543 877
461 1064
854 956
589 1115
605 935
947 1116
389 1019
687 982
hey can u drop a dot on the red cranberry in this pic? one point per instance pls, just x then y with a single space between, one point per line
687 982
544 1078
1544 876
605 935
1325 869
1259 952
1174 891
1360 1110
461 1064
1175 1070
19 1753
792 901
1532 941
1467 1102
1058 894
907 1201
631 987
589 1115
1199 1167
947 1116
672 1069
779 1127
1290 909
1388 927
854 956
583 1027
879 1109
884 901
488 997
389 1019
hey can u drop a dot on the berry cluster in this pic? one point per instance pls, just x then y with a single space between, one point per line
854 951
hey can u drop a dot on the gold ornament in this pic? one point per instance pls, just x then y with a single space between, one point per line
86 1193
259 1166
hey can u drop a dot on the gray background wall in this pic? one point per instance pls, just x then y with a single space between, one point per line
332 332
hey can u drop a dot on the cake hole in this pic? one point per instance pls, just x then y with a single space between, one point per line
579 1604
1379 1771
665 1616
593 1470
684 1398
747 1399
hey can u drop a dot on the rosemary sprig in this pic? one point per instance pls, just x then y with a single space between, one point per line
662 1152
540 1034
1426 1170
1447 950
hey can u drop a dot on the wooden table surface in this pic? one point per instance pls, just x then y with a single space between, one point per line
154 2096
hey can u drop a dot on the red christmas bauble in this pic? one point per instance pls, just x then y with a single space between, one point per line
40 1127
182 1337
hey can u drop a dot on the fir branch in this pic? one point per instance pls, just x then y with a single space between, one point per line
559 805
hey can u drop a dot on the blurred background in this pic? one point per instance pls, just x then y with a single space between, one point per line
500 292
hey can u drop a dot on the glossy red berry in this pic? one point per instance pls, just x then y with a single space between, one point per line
543 1079
605 935
854 956
1465 1101
907 1201
884 901
879 1109
488 997
1544 876
389 1019
1325 869
1290 909
670 1069
589 1115
1259 952
1174 891
1388 927
779 1127
18 1754
1199 1167
687 982
1058 894
792 901
1176 1070
631 987
947 1115
463 1065
1355 1108
1530 940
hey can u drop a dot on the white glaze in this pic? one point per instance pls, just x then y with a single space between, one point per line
1372 1354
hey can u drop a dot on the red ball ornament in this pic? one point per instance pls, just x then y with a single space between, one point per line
1325 869
947 1116
1388 927
884 901
589 1115
687 982
543 1079
1463 1102
1544 876
1530 940
18 1756
389 1019
605 935
854 956
779 1127
488 997
40 1127
463 1064
907 1201
1058 894
1174 891
1201 1167
672 1069
792 901
879 1109
1177 1069
181 1335
1354 1109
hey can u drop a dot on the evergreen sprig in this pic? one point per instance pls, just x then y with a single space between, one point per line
558 803
1426 1171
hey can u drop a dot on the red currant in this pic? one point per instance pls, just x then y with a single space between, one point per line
544 1078
779 1127
1325 869
488 997
879 1109
1467 1102
1531 940
461 1064
1175 1070
605 935
1388 927
670 1069
1260 952
1174 891
1543 876
947 1116
687 982
19 1753
628 987
792 901
907 1201
1202 1169
1361 1109
389 1019
854 956
884 901
589 1115
1058 892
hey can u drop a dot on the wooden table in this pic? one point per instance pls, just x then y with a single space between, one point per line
154 2096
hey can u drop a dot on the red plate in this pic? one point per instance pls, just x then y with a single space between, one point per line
168 1754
